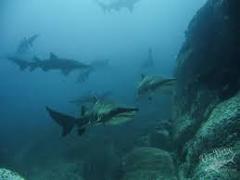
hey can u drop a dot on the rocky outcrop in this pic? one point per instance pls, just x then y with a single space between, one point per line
148 163
60 170
6 174
161 136
207 100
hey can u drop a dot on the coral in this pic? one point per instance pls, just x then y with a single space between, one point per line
6 174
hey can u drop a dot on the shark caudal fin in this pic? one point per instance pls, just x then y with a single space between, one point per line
65 121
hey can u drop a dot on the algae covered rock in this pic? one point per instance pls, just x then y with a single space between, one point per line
6 174
221 129
161 136
61 171
148 164
219 164
161 139
207 100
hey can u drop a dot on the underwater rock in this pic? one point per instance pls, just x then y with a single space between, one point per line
218 164
161 139
143 141
148 163
6 174
61 171
220 130
206 109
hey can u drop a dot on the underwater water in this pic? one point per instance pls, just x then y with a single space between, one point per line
59 54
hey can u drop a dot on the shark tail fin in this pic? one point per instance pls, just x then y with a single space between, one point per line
65 121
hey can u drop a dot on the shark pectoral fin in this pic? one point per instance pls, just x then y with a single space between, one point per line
22 67
32 67
52 56
65 121
66 72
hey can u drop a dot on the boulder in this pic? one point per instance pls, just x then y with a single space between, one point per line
148 163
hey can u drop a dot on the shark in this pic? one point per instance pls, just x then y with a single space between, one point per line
91 98
102 113
150 85
117 5
20 62
66 66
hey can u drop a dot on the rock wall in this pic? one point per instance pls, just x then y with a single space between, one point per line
206 114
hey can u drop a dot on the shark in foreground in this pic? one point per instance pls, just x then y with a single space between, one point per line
102 113
117 5
150 85
66 66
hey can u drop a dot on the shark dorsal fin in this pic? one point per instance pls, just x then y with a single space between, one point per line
52 56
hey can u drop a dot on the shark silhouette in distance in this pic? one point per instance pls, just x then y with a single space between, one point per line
66 66
117 5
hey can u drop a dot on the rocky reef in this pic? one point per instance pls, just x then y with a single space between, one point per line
206 109
201 141
148 163
6 174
